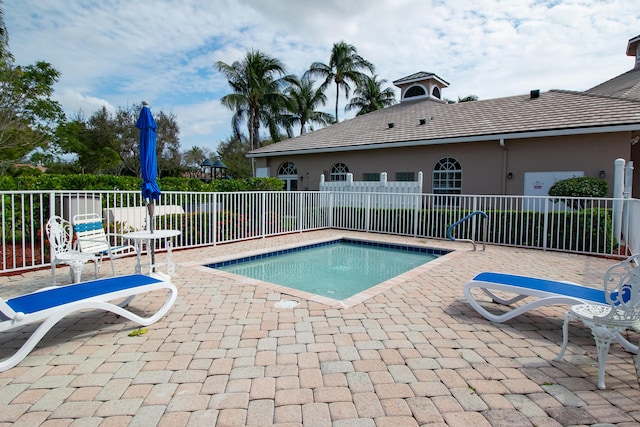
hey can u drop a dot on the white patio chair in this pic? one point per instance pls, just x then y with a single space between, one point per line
91 238
60 236
606 321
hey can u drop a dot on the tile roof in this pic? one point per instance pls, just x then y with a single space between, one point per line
420 75
556 110
626 85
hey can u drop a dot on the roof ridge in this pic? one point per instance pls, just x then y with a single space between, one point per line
632 89
596 95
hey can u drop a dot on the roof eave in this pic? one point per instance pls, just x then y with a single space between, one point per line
427 76
631 50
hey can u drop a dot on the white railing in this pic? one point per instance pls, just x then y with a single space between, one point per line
383 185
563 224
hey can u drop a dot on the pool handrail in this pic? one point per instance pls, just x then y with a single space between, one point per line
467 217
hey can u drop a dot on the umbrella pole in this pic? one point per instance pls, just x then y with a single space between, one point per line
152 226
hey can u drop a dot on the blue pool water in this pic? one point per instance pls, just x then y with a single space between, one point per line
337 269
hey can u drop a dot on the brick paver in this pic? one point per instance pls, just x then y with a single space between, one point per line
414 353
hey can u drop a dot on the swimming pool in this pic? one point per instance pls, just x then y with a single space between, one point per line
336 269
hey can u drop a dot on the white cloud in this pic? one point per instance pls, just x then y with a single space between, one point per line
120 52
74 103
202 119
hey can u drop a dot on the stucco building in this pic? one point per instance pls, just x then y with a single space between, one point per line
513 145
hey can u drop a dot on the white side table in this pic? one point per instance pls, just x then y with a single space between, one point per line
140 237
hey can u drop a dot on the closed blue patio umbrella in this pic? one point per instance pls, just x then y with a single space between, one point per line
148 160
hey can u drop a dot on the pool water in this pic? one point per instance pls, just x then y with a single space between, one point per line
338 269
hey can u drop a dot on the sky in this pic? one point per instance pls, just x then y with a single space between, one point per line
118 53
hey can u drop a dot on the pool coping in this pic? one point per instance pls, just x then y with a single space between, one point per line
347 302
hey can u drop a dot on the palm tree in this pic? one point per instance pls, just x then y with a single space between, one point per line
4 35
369 96
345 65
257 83
302 101
192 159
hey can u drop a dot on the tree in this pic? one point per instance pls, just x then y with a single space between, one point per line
467 98
125 141
192 160
4 36
90 139
345 65
302 101
369 96
233 152
257 83
109 143
28 115
168 144
194 156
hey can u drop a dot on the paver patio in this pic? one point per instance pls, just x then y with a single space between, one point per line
415 354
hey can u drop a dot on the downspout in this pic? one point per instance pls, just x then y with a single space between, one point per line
504 166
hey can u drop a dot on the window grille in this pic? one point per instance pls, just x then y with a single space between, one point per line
339 172
447 176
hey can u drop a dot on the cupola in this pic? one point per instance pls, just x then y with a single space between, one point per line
421 85
633 49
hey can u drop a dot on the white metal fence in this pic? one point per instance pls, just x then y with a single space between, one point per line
589 226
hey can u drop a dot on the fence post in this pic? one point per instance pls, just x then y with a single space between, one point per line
52 211
416 215
367 219
214 218
330 213
300 208
545 228
618 189
626 194
263 216
474 224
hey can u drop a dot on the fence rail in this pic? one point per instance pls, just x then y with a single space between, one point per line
579 225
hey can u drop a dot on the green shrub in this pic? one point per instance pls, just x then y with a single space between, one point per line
566 230
248 184
579 187
130 183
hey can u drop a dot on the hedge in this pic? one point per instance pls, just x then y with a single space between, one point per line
129 183
566 230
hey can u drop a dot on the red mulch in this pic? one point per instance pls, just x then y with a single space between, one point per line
31 257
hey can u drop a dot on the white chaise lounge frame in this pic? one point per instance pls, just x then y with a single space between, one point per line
50 305
542 291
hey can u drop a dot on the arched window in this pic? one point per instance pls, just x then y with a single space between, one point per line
447 176
414 91
288 168
288 172
339 172
436 92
